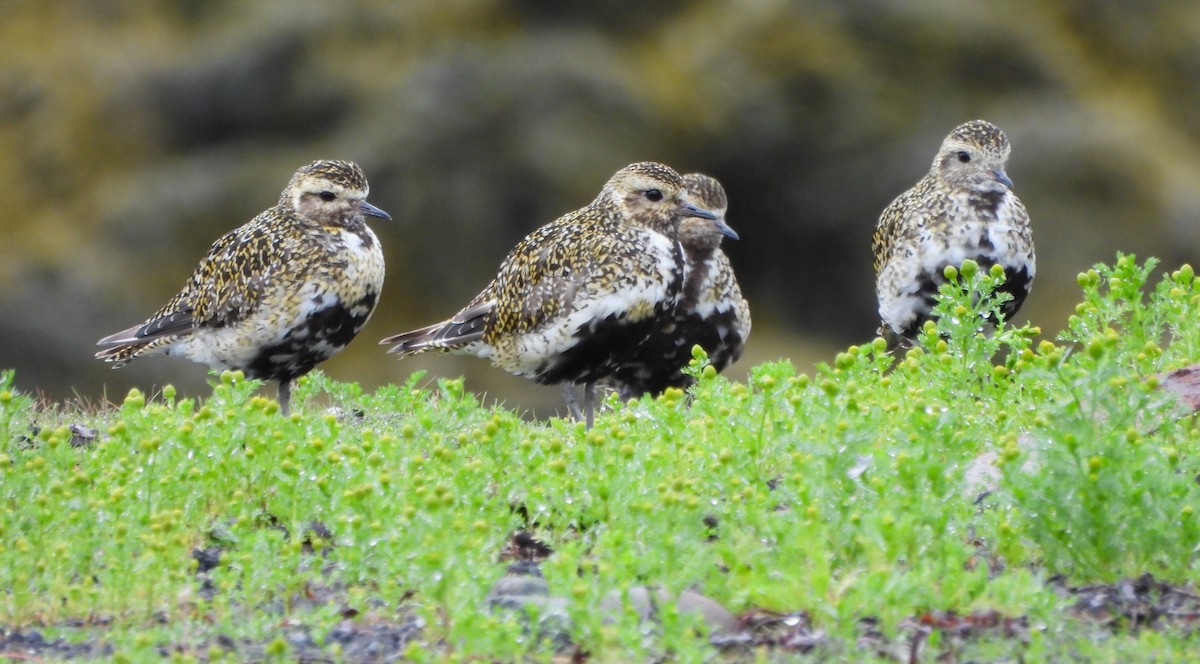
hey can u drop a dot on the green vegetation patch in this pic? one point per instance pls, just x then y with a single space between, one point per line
984 497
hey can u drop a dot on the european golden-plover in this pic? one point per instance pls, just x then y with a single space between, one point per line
580 294
711 313
280 294
964 208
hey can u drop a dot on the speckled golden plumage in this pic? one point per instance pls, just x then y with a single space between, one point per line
578 295
280 294
963 208
711 313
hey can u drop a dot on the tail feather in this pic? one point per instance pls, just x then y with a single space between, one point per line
120 355
127 344
413 341
465 328
122 346
122 338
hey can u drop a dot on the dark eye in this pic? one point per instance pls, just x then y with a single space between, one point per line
328 195
654 195
964 156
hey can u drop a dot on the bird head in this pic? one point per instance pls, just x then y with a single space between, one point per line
705 193
652 195
330 192
973 156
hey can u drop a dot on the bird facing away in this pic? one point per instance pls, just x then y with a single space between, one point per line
577 296
711 312
963 208
280 294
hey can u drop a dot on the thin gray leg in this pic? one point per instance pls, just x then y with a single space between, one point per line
285 397
589 402
568 390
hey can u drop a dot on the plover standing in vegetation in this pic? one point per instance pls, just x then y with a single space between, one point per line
711 312
577 296
963 208
280 294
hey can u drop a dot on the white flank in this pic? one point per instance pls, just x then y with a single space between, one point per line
637 295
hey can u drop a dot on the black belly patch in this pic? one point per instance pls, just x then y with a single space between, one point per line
659 363
599 349
1017 283
323 333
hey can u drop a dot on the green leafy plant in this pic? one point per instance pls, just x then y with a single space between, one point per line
872 490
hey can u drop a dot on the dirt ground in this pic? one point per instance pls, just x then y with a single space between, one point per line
380 632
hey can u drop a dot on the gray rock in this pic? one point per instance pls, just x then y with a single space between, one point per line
645 602
524 592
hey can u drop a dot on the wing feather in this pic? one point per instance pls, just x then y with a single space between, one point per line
225 287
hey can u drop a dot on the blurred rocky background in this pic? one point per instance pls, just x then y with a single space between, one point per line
134 133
